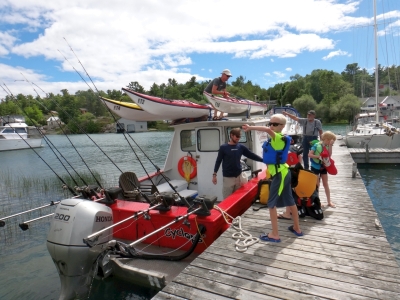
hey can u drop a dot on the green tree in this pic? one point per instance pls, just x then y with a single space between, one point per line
304 103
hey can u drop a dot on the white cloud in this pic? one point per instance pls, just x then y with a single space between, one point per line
288 69
150 41
336 53
279 74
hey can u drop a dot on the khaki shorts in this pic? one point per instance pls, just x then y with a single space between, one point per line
230 184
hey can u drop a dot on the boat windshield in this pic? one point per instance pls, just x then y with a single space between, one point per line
20 130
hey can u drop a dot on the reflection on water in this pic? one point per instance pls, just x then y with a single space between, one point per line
382 183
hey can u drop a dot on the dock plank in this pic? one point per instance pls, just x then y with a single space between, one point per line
344 256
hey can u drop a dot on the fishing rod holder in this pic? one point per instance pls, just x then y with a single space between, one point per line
88 191
166 200
205 202
111 194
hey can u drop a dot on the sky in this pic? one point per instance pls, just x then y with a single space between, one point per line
47 46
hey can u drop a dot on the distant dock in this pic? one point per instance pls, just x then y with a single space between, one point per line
375 155
344 256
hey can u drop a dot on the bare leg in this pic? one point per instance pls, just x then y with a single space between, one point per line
274 223
286 214
295 217
324 178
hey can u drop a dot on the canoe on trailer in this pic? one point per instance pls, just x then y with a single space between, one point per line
233 105
168 109
129 111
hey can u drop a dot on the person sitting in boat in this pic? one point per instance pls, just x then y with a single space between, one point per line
229 155
328 138
280 191
218 87
311 128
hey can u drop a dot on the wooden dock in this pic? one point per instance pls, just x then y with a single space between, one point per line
375 155
344 256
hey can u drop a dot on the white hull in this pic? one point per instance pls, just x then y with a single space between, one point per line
373 141
130 111
374 135
234 106
17 144
169 109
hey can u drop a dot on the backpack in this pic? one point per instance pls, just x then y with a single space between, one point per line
309 206
262 193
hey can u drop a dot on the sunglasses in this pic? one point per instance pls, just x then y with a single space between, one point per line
274 124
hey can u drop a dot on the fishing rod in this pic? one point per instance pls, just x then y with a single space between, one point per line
59 125
65 184
47 140
25 226
88 240
112 115
177 219
98 93
2 223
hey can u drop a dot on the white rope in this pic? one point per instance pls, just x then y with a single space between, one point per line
243 239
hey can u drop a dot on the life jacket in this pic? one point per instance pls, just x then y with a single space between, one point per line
318 151
309 206
276 157
328 162
306 183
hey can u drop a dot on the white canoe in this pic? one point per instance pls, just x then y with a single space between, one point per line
129 111
168 109
233 105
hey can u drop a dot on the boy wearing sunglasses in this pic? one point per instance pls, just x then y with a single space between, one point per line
280 192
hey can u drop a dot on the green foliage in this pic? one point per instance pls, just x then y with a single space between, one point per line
84 123
304 103
332 95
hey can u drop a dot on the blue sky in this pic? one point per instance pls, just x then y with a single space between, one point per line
150 41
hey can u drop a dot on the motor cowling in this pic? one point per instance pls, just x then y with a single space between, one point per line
73 221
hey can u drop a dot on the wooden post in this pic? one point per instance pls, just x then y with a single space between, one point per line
366 153
354 170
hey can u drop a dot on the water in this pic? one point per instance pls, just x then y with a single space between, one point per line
27 271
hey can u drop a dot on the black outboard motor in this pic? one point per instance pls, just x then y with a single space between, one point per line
76 263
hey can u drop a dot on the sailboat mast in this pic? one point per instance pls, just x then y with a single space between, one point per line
376 66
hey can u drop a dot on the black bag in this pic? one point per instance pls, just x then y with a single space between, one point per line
310 206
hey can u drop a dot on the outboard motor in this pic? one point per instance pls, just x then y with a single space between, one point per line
74 220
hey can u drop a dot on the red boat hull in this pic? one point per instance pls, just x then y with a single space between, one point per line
179 235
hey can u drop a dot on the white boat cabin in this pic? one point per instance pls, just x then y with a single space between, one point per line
201 141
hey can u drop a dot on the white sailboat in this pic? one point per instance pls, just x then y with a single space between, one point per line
374 134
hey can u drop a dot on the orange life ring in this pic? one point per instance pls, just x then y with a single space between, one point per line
184 161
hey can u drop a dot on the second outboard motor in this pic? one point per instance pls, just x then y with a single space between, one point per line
74 220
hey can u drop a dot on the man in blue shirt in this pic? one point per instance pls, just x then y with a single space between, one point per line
229 155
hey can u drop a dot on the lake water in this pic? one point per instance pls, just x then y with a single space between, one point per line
27 271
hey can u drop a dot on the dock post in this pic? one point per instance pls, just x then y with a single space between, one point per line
354 170
366 153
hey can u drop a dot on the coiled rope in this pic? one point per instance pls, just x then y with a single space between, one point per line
243 239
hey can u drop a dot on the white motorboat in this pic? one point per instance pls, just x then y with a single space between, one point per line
234 105
15 135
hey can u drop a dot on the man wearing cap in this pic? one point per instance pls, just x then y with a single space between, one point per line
311 129
218 87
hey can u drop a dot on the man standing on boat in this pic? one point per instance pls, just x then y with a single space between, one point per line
311 129
218 87
229 155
